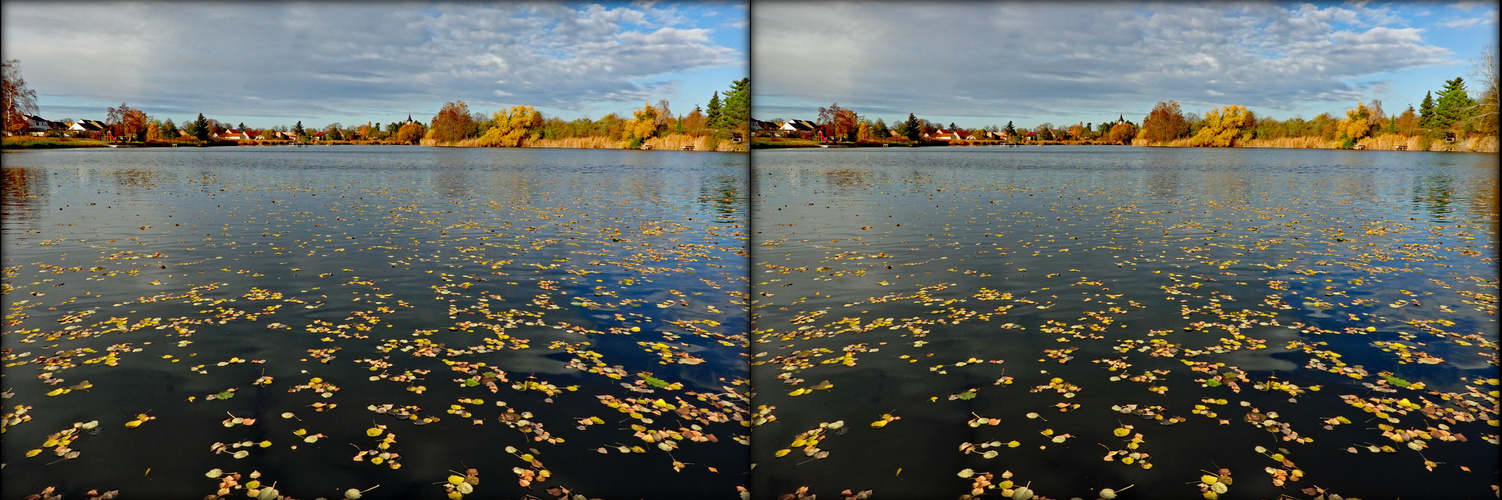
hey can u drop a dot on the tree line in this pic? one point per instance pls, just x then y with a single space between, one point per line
1445 114
1448 113
724 118
838 124
1454 115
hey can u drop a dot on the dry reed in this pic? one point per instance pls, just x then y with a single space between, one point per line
1288 143
1486 144
1389 142
677 142
576 143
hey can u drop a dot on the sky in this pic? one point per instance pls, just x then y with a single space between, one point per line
268 63
987 63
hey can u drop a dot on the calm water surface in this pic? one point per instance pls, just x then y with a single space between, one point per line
924 315
491 298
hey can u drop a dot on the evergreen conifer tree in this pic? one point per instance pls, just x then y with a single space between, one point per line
201 128
713 113
1426 110
1454 104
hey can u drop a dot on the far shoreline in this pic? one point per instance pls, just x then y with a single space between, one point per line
1475 145
17 143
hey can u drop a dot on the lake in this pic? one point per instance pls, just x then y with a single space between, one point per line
360 317
1066 319
1076 319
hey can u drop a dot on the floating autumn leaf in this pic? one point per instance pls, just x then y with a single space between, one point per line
355 494
1110 494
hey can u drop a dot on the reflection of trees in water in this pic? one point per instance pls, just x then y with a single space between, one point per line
722 193
1436 193
1481 197
23 190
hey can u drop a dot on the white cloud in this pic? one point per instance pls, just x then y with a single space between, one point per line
1467 23
1016 59
290 59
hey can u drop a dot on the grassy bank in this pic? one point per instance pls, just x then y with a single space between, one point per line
782 142
28 142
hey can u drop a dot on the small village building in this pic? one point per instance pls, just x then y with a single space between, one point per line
38 126
802 129
86 128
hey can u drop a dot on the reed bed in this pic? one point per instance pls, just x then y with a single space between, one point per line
1386 142
576 143
685 142
472 142
1486 144
1289 143
678 142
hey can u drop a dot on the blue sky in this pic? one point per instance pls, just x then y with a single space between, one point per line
987 63
276 63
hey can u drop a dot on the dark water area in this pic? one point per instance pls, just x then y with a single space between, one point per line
923 317
501 298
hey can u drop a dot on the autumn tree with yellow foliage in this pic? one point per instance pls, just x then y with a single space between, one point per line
1224 126
1358 124
644 125
511 126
